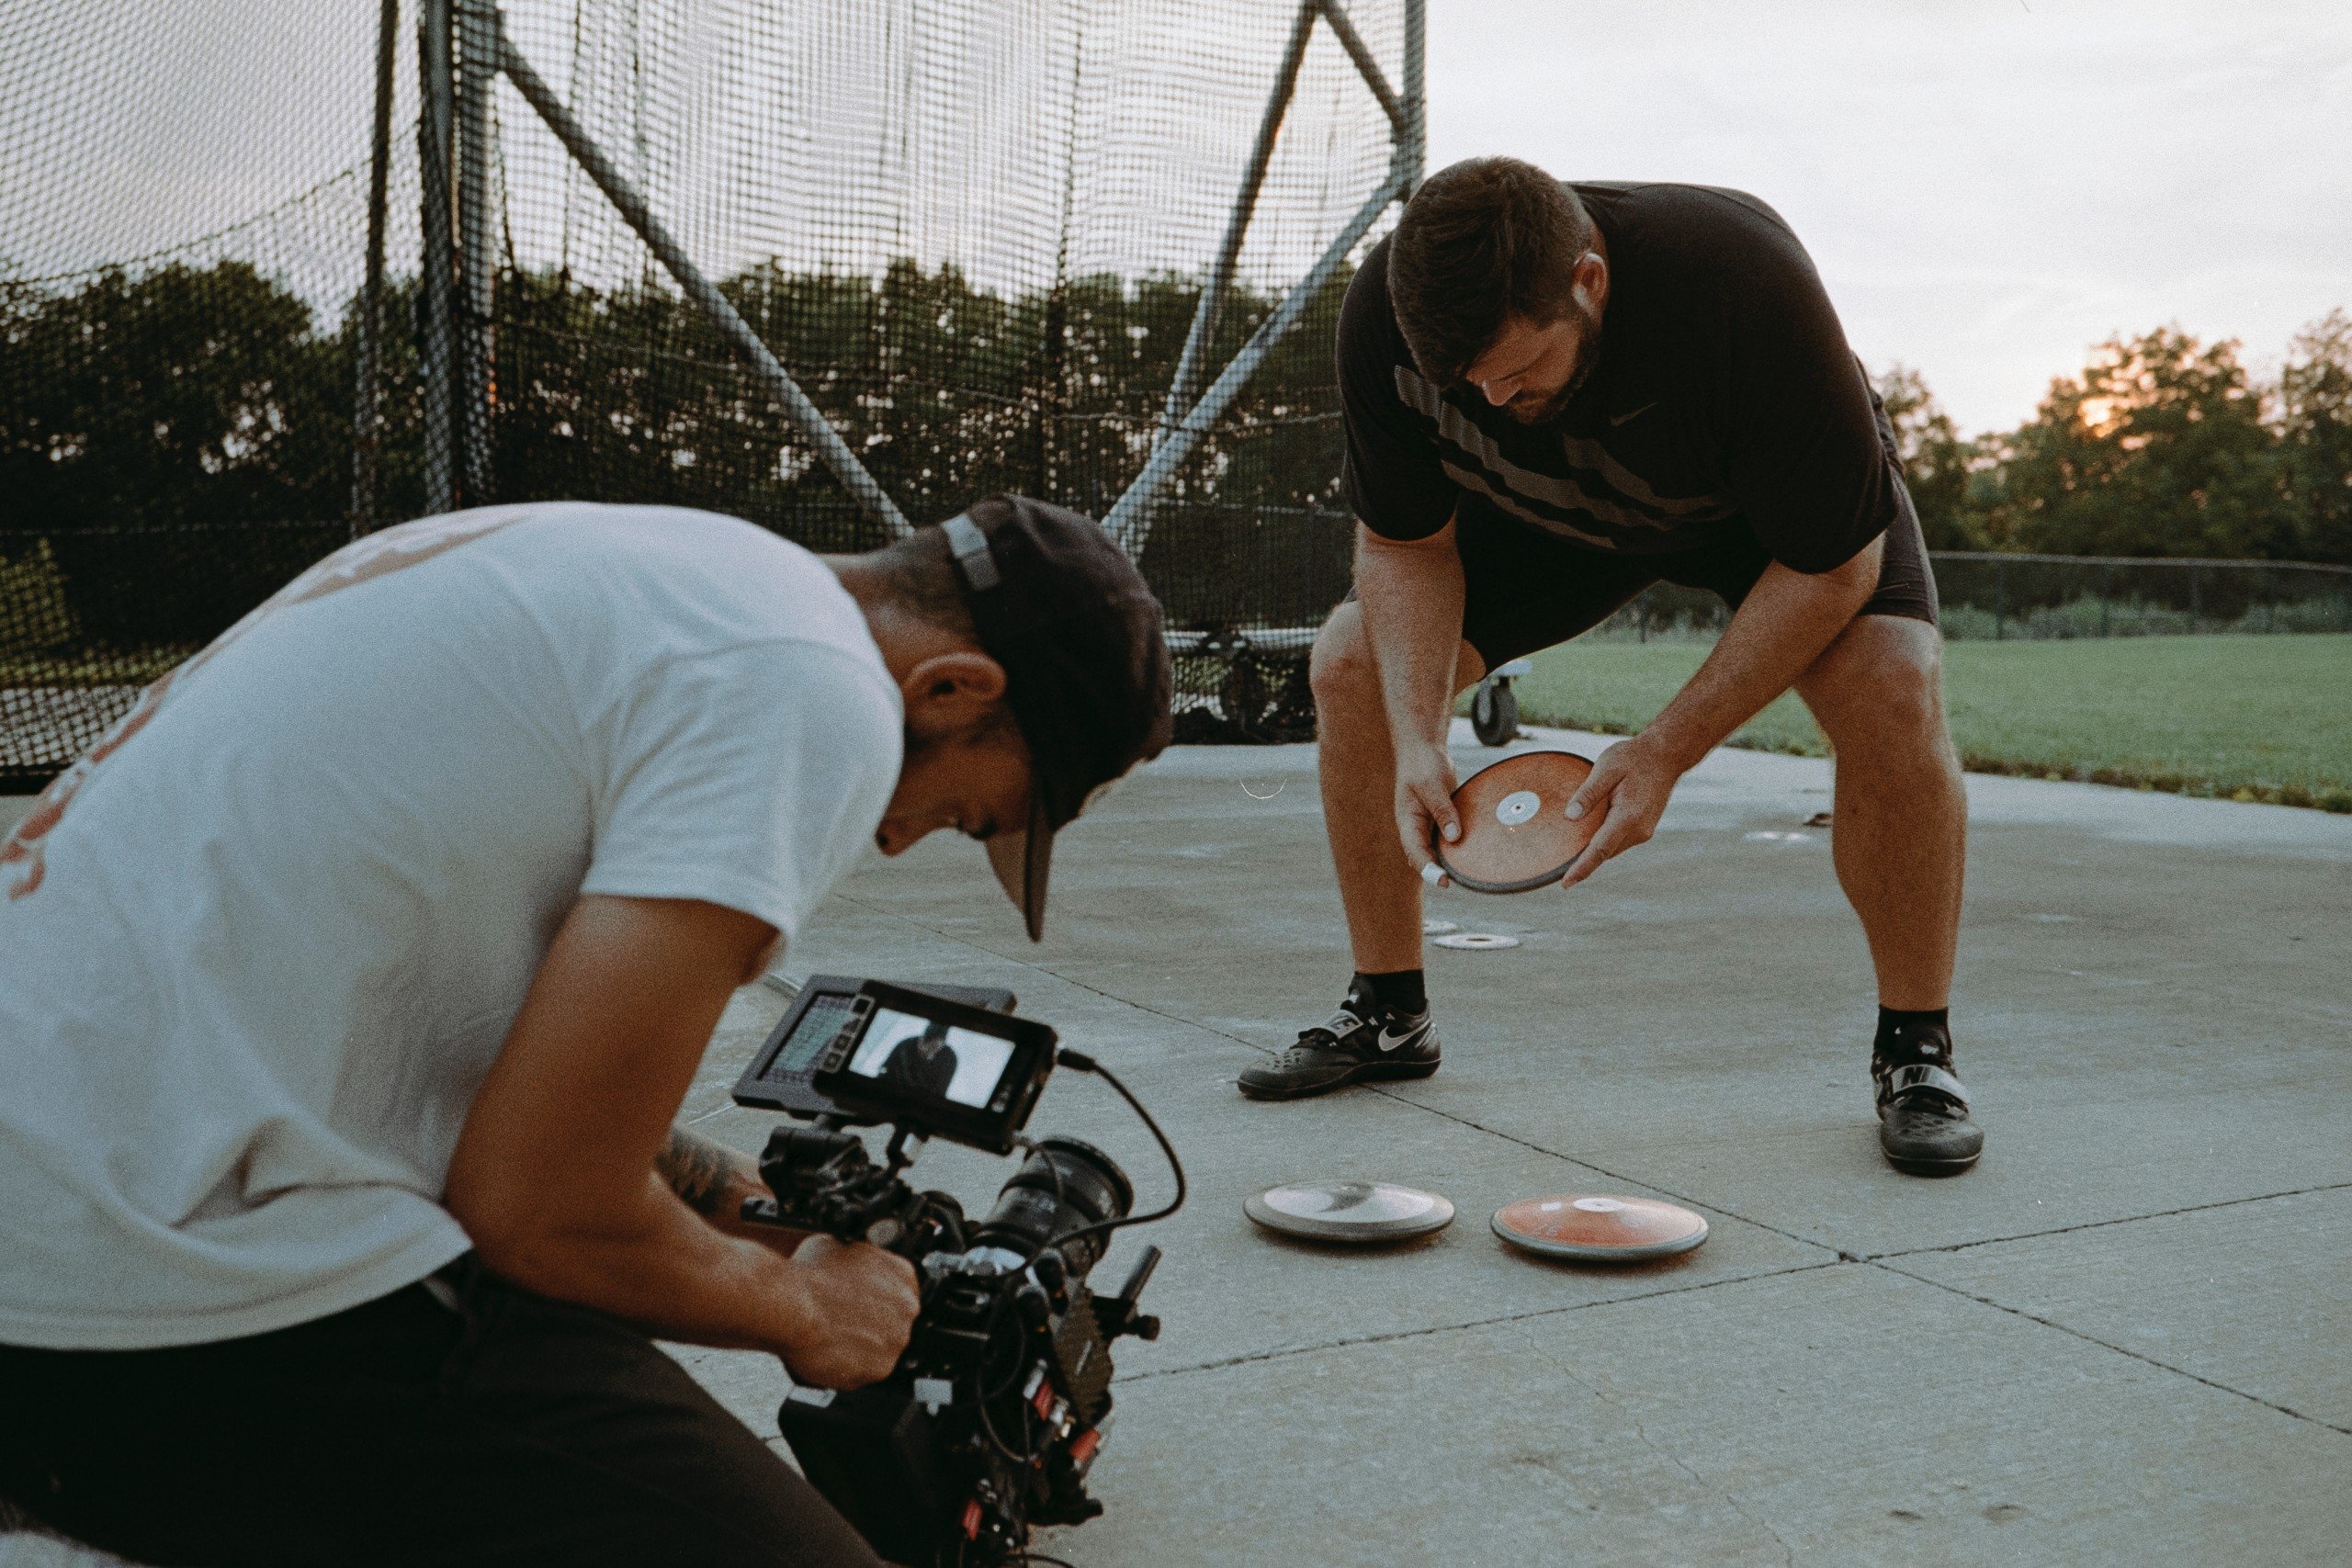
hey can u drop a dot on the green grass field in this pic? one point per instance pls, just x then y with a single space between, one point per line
2248 718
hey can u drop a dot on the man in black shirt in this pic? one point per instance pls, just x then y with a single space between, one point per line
1555 396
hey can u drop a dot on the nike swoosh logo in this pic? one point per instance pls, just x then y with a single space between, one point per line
1390 1040
1616 419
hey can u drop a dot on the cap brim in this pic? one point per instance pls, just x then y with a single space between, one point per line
1022 862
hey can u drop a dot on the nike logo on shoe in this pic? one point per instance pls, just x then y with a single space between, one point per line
1394 1039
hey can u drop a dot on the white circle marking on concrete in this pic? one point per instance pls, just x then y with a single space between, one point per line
1477 941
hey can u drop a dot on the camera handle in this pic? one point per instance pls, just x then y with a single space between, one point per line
905 1147
1119 1315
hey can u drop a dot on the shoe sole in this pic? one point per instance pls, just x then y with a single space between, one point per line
1364 1073
1911 1165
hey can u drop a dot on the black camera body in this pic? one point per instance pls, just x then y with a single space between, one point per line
994 1413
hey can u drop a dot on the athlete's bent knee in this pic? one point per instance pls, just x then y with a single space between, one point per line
1341 669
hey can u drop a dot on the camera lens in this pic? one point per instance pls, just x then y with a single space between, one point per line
1035 1208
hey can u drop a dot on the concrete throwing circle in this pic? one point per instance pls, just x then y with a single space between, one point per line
1477 941
1349 1211
1590 1228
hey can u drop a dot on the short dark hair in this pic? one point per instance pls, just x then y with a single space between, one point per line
917 572
1482 240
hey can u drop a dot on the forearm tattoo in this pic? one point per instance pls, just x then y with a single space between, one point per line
698 1170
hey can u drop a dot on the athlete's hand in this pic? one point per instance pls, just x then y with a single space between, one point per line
862 1306
1630 784
1425 811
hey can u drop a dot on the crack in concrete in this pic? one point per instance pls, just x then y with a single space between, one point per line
2102 1225
1284 1352
1612 1175
2108 1345
1877 1262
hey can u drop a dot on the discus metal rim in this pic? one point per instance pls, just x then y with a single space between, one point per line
1576 1252
1428 1220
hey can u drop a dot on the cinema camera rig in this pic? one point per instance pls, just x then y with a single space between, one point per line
993 1416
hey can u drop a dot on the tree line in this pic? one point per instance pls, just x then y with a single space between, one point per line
214 395
2162 446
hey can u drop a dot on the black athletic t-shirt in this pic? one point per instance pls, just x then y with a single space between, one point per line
1724 398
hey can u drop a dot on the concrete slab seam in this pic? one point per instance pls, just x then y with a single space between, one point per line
1398 1098
1843 1256
2102 1225
2119 1349
1284 1352
1401 1099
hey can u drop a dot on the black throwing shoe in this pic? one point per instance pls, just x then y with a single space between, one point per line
1923 1122
1359 1042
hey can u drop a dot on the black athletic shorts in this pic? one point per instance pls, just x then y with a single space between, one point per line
511 1430
1525 589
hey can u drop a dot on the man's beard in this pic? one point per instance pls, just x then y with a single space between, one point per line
1538 411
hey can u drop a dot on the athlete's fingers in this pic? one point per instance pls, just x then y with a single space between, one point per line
1418 825
1627 824
1599 785
1440 803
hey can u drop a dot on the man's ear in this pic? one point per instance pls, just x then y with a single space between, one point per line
950 693
1590 279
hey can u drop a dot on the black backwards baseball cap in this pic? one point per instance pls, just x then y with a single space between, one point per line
1067 613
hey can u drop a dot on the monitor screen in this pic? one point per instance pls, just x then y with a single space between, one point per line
940 1060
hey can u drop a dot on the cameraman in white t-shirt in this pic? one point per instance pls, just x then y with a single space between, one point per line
351 984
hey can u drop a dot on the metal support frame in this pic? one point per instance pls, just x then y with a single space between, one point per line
367 413
1130 519
806 417
476 31
1220 279
435 130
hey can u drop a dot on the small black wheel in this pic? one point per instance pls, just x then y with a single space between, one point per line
1243 696
1494 712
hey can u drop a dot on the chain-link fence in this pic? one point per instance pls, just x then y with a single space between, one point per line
1990 596
273 274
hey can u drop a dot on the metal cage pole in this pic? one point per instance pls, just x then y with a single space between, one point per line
478 54
805 415
438 331
367 413
1129 521
1416 85
1245 207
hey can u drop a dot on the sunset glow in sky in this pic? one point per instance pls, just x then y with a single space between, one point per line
1989 187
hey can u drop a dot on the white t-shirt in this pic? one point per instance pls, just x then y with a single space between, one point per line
258 949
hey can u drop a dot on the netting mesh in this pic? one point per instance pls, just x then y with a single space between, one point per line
975 233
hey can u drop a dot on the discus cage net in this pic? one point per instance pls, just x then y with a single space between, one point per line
275 275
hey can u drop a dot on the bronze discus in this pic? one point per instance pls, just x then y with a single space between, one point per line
1516 833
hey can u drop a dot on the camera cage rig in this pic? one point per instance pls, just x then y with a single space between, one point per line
992 1419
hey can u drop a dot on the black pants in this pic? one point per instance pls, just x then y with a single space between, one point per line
514 1430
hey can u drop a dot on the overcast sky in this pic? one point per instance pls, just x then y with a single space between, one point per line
1989 186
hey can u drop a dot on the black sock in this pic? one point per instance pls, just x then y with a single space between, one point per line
1402 992
1924 1035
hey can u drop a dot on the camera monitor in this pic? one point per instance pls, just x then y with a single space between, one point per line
914 1058
935 1067
777 1078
